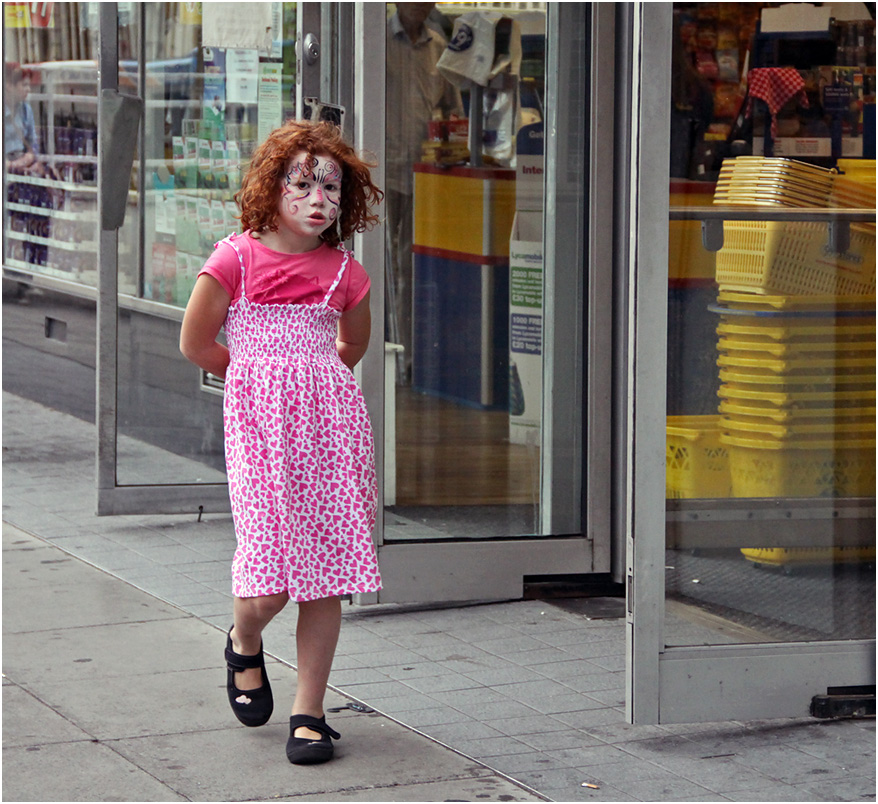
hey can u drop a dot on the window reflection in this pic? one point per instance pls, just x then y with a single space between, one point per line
464 277
771 350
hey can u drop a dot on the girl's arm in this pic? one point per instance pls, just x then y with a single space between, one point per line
204 317
354 328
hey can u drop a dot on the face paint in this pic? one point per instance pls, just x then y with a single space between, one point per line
313 180
310 195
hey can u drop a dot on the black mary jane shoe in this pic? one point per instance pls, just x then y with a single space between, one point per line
251 707
304 751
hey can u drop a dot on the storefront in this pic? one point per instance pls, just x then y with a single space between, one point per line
559 300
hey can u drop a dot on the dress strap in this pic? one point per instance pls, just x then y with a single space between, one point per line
344 264
231 241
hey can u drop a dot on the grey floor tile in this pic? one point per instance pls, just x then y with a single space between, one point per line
563 737
787 764
588 755
590 717
464 698
503 675
613 697
358 676
519 763
410 671
664 790
851 788
499 710
625 732
525 726
424 718
567 669
532 658
484 747
593 682
533 691
382 658
612 663
399 705
779 792
454 733
447 682
598 649
511 646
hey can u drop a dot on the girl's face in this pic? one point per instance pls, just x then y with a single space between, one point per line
310 195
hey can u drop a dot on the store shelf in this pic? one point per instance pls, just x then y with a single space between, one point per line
41 270
38 181
58 214
59 97
67 245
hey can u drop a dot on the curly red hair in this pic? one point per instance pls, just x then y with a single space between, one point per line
261 185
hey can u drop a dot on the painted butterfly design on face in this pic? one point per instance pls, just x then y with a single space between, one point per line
313 181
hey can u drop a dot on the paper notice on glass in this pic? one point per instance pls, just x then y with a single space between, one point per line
237 25
270 100
242 75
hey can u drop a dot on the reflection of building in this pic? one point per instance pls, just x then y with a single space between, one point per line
487 505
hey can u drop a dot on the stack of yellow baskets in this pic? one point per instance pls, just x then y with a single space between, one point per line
796 340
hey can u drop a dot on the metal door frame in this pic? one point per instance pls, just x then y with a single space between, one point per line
112 498
684 684
580 542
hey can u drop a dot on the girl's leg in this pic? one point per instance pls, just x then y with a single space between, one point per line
316 637
252 614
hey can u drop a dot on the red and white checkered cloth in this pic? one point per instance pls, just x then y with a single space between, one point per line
775 85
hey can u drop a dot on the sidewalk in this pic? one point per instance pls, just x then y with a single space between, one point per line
111 695
529 690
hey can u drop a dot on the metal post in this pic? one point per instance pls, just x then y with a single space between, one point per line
107 321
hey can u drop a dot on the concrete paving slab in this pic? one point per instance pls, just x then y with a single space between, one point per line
79 771
28 721
138 707
237 765
66 600
125 650
99 707
484 788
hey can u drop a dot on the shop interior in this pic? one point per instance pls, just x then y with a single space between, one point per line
771 379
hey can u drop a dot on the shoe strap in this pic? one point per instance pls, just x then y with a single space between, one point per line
240 662
313 723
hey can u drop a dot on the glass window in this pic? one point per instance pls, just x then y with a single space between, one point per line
50 140
771 338
464 202
207 106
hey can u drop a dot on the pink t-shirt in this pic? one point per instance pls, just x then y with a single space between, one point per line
274 277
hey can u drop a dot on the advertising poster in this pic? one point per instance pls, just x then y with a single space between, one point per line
233 25
242 75
270 99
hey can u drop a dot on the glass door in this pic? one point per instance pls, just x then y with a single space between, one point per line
480 279
753 591
212 85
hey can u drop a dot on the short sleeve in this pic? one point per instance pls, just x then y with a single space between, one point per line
224 266
358 285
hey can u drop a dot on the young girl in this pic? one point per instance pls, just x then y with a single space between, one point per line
298 442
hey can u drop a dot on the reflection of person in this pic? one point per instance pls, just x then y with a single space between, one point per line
299 448
416 92
691 110
19 130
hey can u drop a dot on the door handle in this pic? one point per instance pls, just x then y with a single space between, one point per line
312 49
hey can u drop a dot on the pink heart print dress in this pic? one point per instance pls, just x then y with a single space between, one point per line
300 454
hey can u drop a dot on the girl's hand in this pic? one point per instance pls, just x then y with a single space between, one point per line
354 329
204 317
